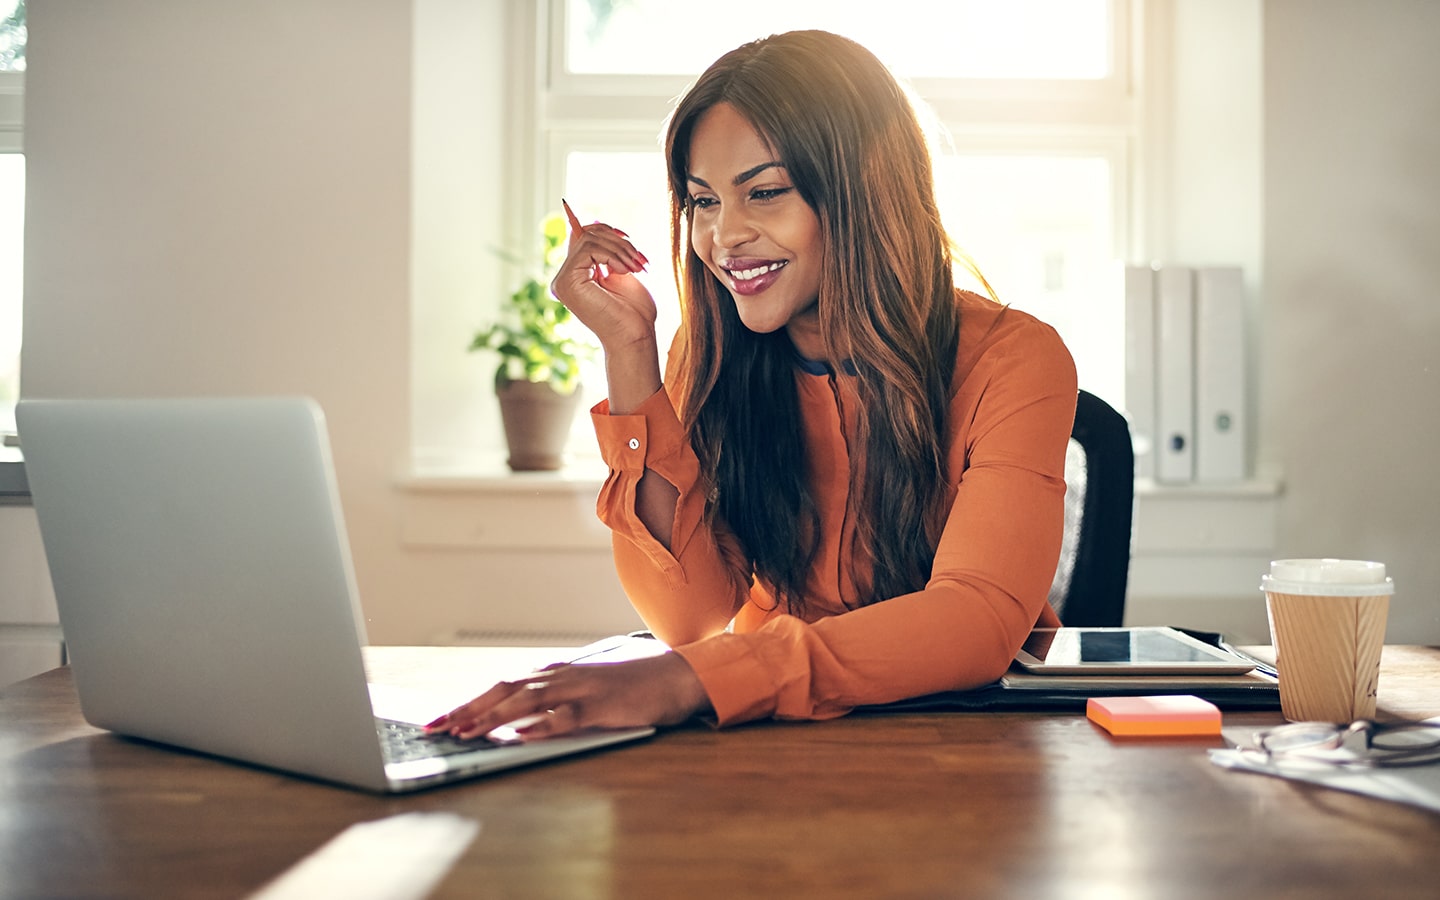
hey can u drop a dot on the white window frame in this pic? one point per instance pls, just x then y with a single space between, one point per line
1089 117
560 112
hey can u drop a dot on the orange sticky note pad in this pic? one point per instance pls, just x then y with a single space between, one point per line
1182 714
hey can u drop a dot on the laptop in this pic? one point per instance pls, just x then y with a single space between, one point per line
207 597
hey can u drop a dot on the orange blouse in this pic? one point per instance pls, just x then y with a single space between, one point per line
1010 421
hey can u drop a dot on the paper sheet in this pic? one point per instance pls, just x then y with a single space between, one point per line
1413 785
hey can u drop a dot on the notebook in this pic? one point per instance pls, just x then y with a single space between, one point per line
205 588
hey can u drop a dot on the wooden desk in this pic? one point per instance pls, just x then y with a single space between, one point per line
972 805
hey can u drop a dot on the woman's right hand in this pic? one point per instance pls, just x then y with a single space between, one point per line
597 283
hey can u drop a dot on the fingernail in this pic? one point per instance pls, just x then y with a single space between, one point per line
437 723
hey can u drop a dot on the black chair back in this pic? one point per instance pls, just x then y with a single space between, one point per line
1089 586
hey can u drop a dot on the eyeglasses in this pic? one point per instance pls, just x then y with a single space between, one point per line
1362 744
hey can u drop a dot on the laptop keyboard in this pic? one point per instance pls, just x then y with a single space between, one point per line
403 741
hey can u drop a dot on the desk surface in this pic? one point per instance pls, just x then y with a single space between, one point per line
986 805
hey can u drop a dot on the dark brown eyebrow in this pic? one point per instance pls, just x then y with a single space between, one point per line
743 176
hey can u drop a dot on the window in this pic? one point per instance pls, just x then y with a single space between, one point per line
1032 99
1036 108
12 204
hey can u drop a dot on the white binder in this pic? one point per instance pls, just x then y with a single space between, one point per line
1220 427
1140 365
1175 375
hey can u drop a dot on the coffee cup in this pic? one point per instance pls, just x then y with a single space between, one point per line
1327 622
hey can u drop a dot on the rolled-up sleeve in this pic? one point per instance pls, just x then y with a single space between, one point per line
691 590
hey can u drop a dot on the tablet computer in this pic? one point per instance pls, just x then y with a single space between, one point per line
1151 650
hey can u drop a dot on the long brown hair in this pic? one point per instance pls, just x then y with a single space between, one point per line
855 152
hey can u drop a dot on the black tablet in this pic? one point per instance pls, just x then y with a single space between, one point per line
1151 650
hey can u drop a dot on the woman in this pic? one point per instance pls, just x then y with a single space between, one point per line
849 487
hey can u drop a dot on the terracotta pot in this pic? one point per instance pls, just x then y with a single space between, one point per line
537 424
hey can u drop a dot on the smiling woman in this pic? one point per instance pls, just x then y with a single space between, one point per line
847 488
1042 179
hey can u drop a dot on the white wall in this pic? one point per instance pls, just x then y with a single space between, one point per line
459 182
1198 550
1214 196
219 202
1351 341
244 198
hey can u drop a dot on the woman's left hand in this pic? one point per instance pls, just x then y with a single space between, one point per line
659 690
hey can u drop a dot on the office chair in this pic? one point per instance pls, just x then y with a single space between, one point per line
1089 585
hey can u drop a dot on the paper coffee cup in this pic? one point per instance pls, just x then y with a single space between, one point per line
1327 622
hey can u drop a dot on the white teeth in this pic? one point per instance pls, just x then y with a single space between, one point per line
747 274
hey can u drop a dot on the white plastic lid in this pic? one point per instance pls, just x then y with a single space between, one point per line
1327 578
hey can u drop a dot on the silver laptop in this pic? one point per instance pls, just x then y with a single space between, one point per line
206 592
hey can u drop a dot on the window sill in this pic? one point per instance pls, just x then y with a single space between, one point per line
1196 557
481 505
1264 485
490 475
1169 518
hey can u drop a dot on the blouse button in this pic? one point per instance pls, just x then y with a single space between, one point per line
634 443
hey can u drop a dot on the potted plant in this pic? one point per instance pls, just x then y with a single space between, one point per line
538 379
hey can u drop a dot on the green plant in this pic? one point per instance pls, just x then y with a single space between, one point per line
536 335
